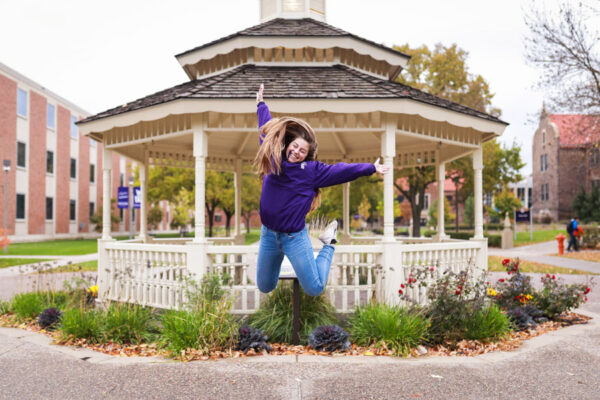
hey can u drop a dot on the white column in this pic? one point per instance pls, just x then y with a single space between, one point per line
200 153
106 193
478 187
144 200
441 177
345 238
388 151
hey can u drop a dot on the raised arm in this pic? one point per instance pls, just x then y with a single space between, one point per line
264 115
329 175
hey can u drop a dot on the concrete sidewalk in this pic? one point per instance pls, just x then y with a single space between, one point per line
54 261
559 364
540 253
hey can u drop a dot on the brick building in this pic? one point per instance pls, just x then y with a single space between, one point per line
565 160
55 179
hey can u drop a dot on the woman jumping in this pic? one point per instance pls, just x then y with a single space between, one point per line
292 176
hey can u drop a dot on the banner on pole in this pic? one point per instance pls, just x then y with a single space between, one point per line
123 197
137 197
522 216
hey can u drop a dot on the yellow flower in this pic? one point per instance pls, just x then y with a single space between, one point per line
93 290
491 292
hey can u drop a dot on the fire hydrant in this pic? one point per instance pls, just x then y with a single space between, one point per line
561 243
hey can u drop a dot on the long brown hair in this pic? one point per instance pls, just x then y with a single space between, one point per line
278 134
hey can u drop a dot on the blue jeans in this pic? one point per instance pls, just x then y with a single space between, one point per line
312 274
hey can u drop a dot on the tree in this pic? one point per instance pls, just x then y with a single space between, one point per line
227 199
469 211
213 186
433 213
505 203
442 72
181 210
155 215
97 217
587 205
564 45
251 188
417 179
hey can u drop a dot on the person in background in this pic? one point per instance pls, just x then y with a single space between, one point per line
573 231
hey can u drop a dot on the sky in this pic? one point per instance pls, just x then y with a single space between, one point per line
101 54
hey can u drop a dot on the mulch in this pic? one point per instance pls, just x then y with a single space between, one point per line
463 348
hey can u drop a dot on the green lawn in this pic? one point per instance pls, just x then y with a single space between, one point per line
538 236
83 266
55 248
253 236
11 262
495 264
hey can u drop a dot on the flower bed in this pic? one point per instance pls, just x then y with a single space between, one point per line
464 316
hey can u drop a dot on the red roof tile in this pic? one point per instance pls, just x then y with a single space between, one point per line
576 129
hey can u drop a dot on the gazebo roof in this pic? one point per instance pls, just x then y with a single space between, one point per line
292 27
335 82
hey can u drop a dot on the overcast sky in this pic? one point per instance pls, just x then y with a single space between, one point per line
101 54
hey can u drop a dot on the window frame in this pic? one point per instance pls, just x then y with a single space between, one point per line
17 217
24 154
48 163
51 208
26 104
72 210
73 168
53 127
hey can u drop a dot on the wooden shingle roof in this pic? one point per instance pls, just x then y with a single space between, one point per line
330 82
292 27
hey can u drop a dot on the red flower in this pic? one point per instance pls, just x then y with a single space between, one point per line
501 279
400 291
457 292
431 268
402 285
505 261
586 298
547 275
460 287
553 277
587 290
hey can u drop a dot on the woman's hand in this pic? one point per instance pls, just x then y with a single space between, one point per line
259 94
381 169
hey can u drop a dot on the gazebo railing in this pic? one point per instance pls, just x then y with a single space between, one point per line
155 274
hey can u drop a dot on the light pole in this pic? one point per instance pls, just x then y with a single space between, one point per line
131 210
6 167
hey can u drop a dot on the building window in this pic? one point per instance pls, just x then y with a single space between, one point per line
426 205
544 137
594 157
50 116
73 168
73 127
121 179
20 206
21 154
218 218
92 208
121 214
545 193
49 208
92 173
92 143
49 162
544 162
529 197
22 103
72 209
595 183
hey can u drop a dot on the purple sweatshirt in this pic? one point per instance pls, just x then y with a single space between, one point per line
286 198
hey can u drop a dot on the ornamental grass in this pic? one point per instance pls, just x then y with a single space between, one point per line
397 328
275 315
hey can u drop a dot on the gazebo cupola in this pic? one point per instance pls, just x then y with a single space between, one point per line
270 9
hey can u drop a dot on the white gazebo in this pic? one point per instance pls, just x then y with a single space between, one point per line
344 86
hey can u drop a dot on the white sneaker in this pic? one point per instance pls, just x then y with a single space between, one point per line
329 234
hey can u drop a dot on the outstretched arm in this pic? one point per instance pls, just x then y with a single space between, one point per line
329 175
264 115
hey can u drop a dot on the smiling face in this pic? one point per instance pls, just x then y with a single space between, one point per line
297 150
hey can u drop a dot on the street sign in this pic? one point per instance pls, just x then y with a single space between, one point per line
137 197
123 197
522 216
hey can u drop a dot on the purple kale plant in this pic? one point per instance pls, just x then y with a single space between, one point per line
49 318
252 338
329 338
